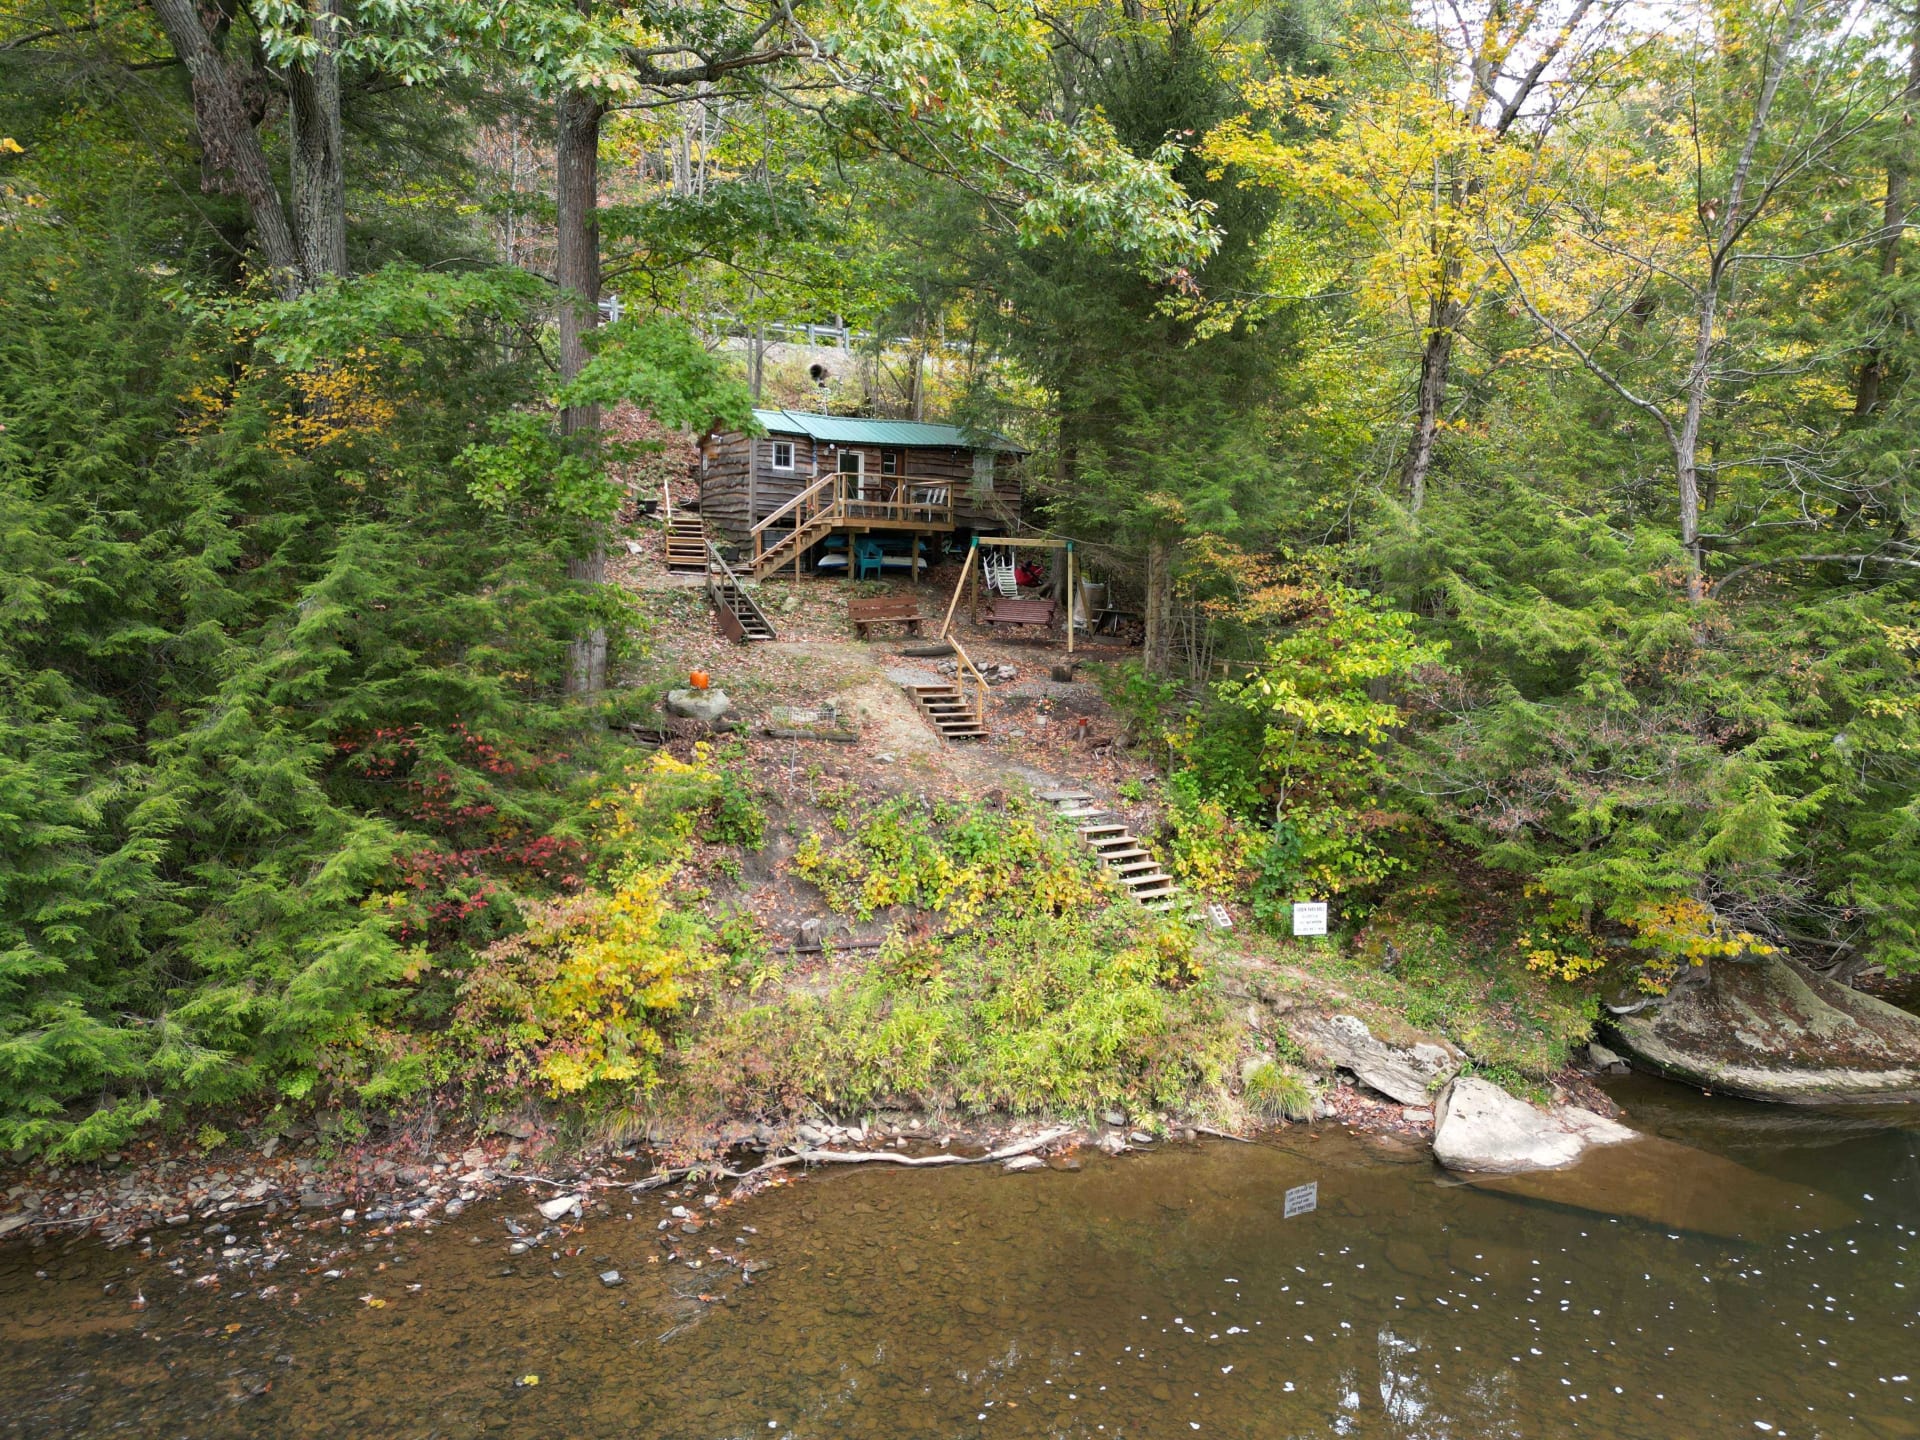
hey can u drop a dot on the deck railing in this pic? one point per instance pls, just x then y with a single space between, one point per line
841 498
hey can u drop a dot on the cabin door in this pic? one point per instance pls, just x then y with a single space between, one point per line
854 463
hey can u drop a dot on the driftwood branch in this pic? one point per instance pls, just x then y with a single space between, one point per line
826 1157
859 1157
1222 1134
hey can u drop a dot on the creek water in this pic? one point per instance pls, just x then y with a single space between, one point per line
1769 1289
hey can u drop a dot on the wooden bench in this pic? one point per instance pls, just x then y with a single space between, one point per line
886 611
1021 612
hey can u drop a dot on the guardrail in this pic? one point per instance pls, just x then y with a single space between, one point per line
965 671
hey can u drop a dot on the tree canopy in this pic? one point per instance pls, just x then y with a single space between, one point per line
1507 421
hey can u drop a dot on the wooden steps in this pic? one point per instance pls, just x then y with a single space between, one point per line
798 540
686 542
740 616
1119 849
948 711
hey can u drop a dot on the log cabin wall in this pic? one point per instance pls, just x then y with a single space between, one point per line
738 479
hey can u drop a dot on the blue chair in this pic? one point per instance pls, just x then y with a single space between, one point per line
868 559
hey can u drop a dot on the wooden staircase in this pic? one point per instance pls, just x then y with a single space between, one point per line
797 541
957 708
686 541
741 618
948 708
1126 859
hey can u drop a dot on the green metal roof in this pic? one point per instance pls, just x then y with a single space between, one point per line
844 430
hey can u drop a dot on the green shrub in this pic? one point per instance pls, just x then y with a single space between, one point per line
1017 984
1277 1092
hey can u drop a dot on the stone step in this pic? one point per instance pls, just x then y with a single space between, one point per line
1064 796
1085 812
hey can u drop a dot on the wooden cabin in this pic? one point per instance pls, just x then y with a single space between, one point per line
901 475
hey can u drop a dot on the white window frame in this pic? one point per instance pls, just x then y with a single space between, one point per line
778 446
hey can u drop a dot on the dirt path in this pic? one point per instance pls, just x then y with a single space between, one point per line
1044 732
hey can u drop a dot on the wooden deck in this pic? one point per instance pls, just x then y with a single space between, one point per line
850 505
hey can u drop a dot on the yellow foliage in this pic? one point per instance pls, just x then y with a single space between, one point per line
335 403
897 860
1683 931
622 963
1419 184
582 992
1549 955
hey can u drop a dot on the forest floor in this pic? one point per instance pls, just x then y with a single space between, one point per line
1048 733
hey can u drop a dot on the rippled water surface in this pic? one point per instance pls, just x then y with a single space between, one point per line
1159 1295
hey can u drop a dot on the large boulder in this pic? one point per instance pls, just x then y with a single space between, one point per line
1768 1029
1408 1073
707 705
1478 1127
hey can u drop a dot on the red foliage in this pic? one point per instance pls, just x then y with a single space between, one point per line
450 884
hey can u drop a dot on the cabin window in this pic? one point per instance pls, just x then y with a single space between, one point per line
783 455
983 474
889 462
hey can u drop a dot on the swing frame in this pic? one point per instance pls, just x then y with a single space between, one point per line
969 572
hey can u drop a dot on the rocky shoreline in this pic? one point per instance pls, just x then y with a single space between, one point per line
416 1177
150 1192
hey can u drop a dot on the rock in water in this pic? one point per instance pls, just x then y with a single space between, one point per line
1406 1073
1604 1060
1678 1187
560 1205
1479 1127
1767 1029
1025 1162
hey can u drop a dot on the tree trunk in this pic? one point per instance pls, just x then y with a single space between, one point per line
577 269
1686 444
1874 370
1157 652
231 158
1430 399
318 170
1686 440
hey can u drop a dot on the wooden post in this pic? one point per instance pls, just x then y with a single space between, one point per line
966 569
753 481
1070 594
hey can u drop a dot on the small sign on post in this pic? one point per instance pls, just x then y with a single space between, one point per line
1310 917
1301 1199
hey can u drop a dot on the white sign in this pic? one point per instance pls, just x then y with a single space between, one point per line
1310 917
1301 1199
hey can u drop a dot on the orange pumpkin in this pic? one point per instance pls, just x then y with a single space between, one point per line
698 679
